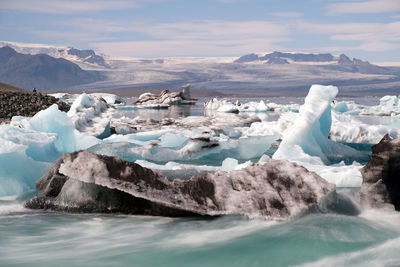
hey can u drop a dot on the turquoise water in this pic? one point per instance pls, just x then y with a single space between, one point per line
56 239
339 238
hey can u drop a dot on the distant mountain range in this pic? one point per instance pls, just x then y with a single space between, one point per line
342 61
41 71
277 73
85 58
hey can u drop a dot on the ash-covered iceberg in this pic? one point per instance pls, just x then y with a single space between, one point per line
381 175
87 182
166 98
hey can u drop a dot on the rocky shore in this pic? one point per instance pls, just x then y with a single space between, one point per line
18 102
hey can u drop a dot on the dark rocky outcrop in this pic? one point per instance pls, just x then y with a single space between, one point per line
87 182
18 102
298 57
381 175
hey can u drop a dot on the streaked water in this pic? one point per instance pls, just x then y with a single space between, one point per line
338 238
56 239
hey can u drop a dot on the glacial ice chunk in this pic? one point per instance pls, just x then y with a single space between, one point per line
310 132
52 120
91 115
307 143
25 155
347 129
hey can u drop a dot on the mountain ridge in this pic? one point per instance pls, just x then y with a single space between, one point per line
41 71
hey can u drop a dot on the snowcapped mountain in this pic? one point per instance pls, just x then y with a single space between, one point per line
253 74
41 71
86 59
300 58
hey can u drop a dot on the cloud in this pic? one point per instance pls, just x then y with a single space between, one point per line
372 37
67 7
364 7
67 36
184 48
287 14
231 1
203 38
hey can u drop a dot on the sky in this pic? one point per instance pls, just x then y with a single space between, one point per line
366 29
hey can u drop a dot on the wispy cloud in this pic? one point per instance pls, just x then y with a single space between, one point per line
231 1
364 7
204 38
370 36
287 14
67 7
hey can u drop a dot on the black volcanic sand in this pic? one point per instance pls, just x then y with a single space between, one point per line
18 102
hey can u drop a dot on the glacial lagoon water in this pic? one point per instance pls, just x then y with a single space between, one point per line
340 237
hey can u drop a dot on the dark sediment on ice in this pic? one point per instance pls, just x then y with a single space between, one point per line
88 182
381 175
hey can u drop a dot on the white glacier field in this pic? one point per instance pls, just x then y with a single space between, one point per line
329 135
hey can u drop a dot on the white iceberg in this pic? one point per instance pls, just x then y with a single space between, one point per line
91 116
347 129
307 143
111 99
24 157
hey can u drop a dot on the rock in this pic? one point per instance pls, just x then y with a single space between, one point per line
15 101
381 175
87 182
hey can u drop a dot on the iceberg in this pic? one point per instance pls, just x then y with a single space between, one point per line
91 115
307 143
227 106
347 129
111 99
52 120
34 143
389 105
166 98
307 140
25 155
87 182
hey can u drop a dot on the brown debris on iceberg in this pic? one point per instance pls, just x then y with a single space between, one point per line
88 182
381 175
